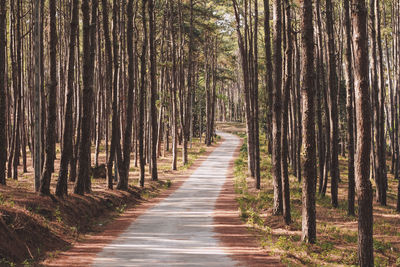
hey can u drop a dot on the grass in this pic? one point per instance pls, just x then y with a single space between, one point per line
336 231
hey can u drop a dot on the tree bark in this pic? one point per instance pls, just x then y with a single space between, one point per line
349 109
333 93
277 109
67 151
142 95
3 109
153 91
124 171
51 106
381 150
82 183
363 113
286 97
308 91
268 73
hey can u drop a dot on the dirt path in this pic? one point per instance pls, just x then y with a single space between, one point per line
195 225
179 230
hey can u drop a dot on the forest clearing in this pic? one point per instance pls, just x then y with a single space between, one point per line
252 132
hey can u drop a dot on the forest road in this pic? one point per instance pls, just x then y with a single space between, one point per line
179 231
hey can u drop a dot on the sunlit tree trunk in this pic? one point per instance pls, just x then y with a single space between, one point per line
349 109
362 161
308 92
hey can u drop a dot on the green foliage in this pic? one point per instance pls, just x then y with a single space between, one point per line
121 209
381 246
28 263
57 214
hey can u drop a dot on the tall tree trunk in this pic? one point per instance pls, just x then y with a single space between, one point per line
173 90
3 110
308 91
268 73
82 183
188 103
114 156
153 91
37 97
124 171
142 95
108 80
276 112
333 93
375 104
363 113
62 185
51 106
381 150
255 106
349 109
286 98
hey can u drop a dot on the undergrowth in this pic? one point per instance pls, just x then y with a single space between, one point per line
336 231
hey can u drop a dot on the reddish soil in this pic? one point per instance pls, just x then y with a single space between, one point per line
84 251
233 233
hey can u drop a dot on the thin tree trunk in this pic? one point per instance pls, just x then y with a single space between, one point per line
308 91
142 96
124 171
268 73
286 98
349 110
382 91
108 82
333 93
276 113
3 119
153 91
51 106
67 151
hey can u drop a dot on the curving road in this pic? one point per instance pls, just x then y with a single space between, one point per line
179 230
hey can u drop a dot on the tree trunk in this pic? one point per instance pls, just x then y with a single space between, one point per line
108 82
268 73
286 97
124 171
349 110
51 106
142 95
333 93
3 119
381 150
37 97
82 184
255 106
153 91
67 151
308 90
276 112
362 161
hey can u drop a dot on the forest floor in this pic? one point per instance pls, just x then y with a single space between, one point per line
34 228
336 231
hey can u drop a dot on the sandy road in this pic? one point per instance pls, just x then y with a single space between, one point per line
179 230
